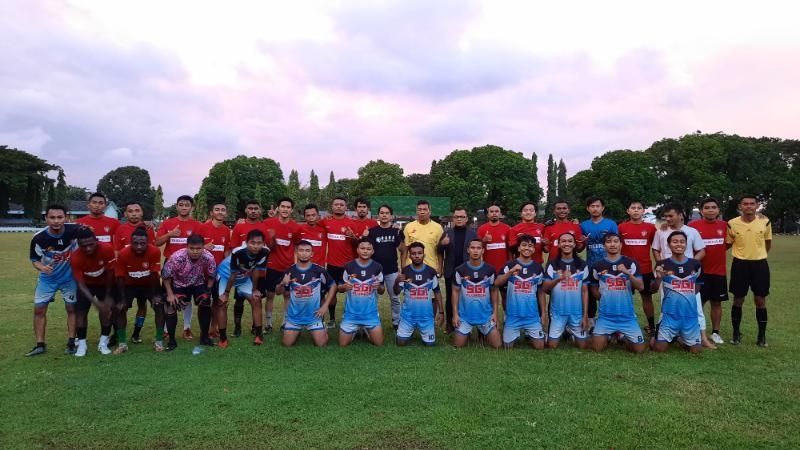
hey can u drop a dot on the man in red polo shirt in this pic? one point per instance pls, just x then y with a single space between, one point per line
363 221
217 237
714 278
527 226
494 235
558 226
103 226
312 232
341 246
637 239
282 234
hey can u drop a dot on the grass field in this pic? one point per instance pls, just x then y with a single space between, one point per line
390 397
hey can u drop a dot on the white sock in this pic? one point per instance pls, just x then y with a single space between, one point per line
81 341
187 318
104 341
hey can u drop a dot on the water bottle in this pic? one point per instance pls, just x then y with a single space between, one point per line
197 350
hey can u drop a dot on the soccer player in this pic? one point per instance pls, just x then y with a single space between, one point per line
424 230
283 233
50 252
679 277
526 310
420 286
567 281
713 279
138 271
189 274
93 269
494 235
559 225
252 221
341 247
97 221
453 246
315 234
242 270
475 299
387 240
750 238
611 279
695 248
174 232
595 228
217 237
363 221
363 283
637 239
527 226
303 286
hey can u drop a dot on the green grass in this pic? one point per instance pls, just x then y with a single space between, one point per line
390 397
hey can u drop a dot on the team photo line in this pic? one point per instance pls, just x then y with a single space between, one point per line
103 262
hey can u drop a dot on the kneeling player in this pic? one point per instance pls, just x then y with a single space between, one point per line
525 302
611 280
566 279
138 277
362 283
475 299
678 274
188 275
420 286
302 287
93 270
241 271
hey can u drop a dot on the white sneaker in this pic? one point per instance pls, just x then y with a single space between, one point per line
102 346
82 348
716 338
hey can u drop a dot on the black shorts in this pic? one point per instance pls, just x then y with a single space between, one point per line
713 287
271 281
99 292
199 293
647 279
141 293
336 273
749 274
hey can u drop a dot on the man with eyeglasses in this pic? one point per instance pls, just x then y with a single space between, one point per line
453 246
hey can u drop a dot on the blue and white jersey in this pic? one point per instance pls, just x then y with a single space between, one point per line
595 236
305 293
522 302
680 286
54 250
361 302
475 286
418 291
242 264
616 298
566 298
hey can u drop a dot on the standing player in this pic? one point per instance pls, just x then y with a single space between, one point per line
494 235
386 240
637 239
242 271
750 237
454 247
558 226
50 253
93 269
426 231
138 277
315 234
217 237
363 283
595 229
527 226
420 286
566 279
283 232
713 279
303 287
341 239
189 274
97 221
611 280
679 277
475 299
252 221
363 221
525 302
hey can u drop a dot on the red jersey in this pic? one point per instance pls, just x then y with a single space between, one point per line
93 270
363 224
637 240
175 243
138 270
240 231
713 234
318 237
284 235
122 237
103 227
531 229
496 253
553 231
219 236
341 249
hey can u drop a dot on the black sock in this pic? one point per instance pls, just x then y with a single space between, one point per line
238 311
41 344
172 323
715 331
223 334
81 333
332 312
71 342
761 317
259 331
105 330
651 322
204 317
736 318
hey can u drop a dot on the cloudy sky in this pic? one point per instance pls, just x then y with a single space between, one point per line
176 86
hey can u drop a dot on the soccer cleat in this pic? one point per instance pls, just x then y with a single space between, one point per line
121 348
158 346
136 340
38 350
187 334
331 324
268 329
223 344
207 342
762 342
213 334
717 339
736 339
81 349
258 340
171 345
70 349
237 332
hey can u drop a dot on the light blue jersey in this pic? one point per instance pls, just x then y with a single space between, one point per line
361 302
305 293
418 291
566 298
474 298
616 298
595 238
522 301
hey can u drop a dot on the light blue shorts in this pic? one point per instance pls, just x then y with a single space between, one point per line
351 326
628 326
427 331
244 286
465 327
570 323
532 330
46 292
314 326
686 329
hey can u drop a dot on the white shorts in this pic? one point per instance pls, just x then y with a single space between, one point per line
315 326
531 331
349 327
465 327
427 331
572 324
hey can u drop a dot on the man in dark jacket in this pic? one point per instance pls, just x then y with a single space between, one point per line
453 246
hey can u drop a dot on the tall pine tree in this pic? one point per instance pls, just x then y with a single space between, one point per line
552 182
562 179
293 186
60 194
534 187
158 202
313 188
